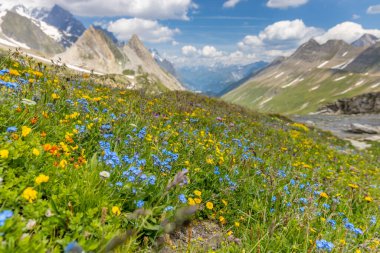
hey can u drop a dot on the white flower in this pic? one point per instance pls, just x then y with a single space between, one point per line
28 102
31 224
48 213
104 174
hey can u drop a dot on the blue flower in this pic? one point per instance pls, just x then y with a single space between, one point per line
325 245
4 215
152 180
182 198
303 200
332 223
73 247
11 129
274 198
373 220
140 203
168 208
327 206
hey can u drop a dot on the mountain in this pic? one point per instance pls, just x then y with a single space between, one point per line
365 41
97 51
66 23
163 63
57 23
367 61
215 80
22 31
313 75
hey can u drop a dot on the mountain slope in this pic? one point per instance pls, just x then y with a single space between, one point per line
95 50
23 30
365 41
367 61
313 75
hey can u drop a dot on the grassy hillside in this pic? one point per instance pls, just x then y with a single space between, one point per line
84 166
289 96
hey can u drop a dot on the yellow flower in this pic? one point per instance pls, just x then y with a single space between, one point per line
191 201
116 210
342 241
42 179
324 195
237 224
55 96
63 164
14 72
25 131
209 205
222 220
197 200
224 202
368 199
36 152
149 137
229 233
354 186
4 153
197 193
29 194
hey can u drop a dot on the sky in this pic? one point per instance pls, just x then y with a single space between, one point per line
208 32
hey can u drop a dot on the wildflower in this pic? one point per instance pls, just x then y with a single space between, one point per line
73 247
191 201
31 224
48 213
29 194
222 220
237 224
140 203
41 179
327 206
4 153
368 199
373 220
209 205
324 195
274 198
116 210
324 245
35 152
353 186
197 193
28 102
332 223
104 174
168 208
14 72
4 215
11 129
62 163
25 131
224 202
55 96
197 200
182 198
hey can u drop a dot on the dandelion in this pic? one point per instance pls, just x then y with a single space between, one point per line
197 200
116 210
354 186
368 199
4 153
35 152
55 96
197 193
41 179
237 224
209 205
324 245
324 195
222 220
25 131
191 201
29 194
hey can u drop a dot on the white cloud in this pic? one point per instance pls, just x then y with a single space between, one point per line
283 4
230 3
148 9
374 9
347 31
283 34
147 30
210 52
355 16
189 50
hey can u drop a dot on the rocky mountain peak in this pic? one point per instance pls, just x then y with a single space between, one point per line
365 41
136 45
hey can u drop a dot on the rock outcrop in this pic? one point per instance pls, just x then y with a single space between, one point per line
365 103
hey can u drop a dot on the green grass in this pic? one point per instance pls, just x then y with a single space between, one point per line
274 185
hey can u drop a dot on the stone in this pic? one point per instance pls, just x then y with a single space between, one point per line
363 129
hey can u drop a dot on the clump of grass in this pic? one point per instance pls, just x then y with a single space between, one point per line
84 166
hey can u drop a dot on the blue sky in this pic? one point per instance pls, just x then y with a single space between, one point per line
230 31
